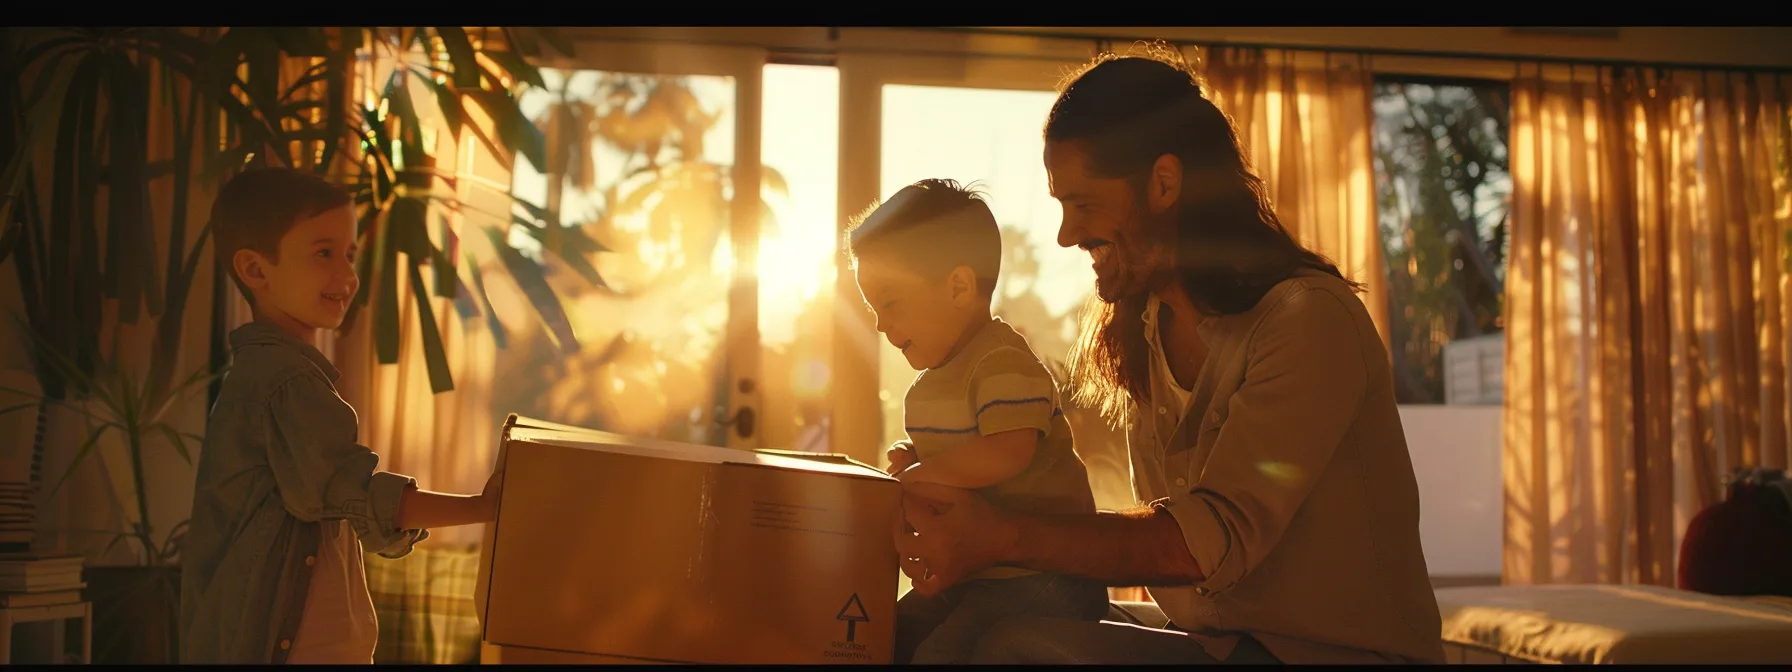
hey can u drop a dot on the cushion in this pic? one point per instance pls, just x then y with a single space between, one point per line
424 602
1582 624
1742 545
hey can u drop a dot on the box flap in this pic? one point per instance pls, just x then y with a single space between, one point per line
630 445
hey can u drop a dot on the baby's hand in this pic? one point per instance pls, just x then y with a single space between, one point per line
901 456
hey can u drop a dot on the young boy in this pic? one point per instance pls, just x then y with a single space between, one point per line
271 570
982 414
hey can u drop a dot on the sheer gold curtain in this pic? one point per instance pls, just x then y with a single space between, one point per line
447 441
1305 120
1647 325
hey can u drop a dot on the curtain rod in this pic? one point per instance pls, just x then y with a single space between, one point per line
1371 51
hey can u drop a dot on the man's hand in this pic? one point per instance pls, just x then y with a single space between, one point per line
901 456
955 534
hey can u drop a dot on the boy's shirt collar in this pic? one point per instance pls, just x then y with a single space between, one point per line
262 333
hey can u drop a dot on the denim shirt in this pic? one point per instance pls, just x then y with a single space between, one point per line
280 455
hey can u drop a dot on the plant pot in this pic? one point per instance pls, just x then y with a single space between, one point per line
136 614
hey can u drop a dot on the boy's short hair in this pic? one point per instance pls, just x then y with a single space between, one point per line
932 227
257 207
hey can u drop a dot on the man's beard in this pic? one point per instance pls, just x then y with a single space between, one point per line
1144 261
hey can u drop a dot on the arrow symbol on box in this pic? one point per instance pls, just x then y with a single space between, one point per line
854 614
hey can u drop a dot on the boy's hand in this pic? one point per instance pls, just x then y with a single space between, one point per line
901 456
494 486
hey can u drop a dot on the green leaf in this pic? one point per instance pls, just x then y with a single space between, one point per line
522 41
435 358
518 68
773 181
174 439
573 247
400 106
460 54
200 376
9 238
336 116
385 309
180 285
116 539
454 114
81 453
408 224
515 129
371 225
71 281
465 304
302 42
444 262
318 73
499 336
535 286
554 39
24 112
132 274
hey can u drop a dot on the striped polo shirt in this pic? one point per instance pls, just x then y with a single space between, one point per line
995 384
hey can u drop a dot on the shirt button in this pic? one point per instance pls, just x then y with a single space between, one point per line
1162 410
310 560
1202 591
1181 481
1214 416
285 644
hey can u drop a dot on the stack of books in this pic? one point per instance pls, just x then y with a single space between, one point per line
31 580
17 516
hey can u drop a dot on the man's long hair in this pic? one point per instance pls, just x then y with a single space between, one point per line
1231 249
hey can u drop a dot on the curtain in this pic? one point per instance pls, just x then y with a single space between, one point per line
1647 326
447 441
1305 121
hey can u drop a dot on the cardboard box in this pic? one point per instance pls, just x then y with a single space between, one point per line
632 550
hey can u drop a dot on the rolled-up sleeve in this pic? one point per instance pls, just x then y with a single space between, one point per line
1304 382
323 473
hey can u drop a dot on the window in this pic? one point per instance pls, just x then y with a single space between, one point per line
1442 190
645 174
972 135
800 153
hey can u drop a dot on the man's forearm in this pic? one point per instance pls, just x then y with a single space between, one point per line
1143 547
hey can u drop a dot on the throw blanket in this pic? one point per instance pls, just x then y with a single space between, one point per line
425 605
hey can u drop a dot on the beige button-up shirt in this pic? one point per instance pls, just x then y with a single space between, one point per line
1288 471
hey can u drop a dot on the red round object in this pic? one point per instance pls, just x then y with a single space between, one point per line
1740 546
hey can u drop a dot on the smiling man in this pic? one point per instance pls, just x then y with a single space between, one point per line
1282 516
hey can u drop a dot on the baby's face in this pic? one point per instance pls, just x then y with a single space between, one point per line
916 315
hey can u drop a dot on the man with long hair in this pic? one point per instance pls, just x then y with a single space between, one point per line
1257 396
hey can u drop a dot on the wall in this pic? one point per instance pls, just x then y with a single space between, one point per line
1752 46
1747 47
99 498
1456 456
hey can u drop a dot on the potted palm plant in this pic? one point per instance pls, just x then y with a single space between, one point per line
74 122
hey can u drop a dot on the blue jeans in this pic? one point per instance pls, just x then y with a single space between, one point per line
946 628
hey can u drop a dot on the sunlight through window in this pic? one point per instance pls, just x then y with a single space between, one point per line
800 156
641 166
993 138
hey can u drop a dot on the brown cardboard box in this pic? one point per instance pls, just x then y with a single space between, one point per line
633 550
